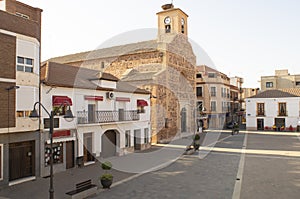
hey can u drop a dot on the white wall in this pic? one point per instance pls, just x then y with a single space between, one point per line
271 111
47 93
99 129
80 104
28 92
26 97
29 48
105 84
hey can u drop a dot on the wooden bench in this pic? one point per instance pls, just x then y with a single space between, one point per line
83 190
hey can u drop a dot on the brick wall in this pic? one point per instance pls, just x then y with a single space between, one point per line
7 56
13 6
20 25
6 114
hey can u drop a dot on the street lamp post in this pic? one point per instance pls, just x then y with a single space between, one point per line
68 115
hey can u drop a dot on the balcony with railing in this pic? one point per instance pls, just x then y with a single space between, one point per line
85 117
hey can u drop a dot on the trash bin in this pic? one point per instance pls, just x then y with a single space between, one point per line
79 161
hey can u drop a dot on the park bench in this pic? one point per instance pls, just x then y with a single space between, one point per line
83 190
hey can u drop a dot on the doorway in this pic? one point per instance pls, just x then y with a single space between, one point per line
21 160
137 139
91 113
88 147
260 124
70 154
109 144
279 122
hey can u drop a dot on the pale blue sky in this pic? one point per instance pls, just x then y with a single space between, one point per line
247 38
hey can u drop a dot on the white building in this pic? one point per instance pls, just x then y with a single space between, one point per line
273 107
112 118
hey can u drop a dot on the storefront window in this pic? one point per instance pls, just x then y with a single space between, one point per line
57 153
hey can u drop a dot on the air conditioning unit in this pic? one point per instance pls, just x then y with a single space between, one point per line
110 95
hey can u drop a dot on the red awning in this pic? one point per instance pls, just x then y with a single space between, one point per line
123 99
58 100
64 133
142 103
93 98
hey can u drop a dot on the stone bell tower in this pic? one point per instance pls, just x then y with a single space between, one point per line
172 21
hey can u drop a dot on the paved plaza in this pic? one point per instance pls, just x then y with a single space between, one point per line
247 165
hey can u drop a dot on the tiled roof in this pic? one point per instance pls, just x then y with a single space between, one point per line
107 52
273 94
62 75
207 69
294 91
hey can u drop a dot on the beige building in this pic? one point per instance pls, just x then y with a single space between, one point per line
164 66
282 79
236 92
213 95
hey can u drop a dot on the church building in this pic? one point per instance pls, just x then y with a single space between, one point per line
165 66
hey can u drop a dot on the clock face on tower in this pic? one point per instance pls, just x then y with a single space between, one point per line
167 20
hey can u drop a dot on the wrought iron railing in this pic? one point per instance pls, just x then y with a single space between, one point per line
85 117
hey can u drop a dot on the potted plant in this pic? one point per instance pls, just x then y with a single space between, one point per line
106 179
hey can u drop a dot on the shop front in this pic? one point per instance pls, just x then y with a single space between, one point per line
64 143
